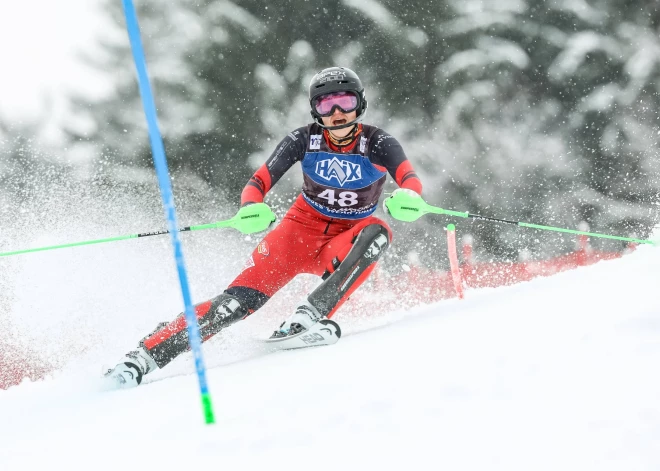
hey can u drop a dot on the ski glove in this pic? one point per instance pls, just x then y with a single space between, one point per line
404 204
253 217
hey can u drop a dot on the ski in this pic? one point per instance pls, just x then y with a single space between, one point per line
324 332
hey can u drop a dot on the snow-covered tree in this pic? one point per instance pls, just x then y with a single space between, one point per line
542 111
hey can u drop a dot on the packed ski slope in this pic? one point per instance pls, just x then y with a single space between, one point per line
556 373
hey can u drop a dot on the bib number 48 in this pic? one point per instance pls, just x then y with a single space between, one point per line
346 198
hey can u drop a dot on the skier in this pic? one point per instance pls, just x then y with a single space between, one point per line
329 231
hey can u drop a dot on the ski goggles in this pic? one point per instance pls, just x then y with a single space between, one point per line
325 105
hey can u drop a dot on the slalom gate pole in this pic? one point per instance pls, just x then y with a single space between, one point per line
406 207
453 261
254 218
162 171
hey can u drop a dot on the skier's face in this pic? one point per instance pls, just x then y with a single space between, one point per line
338 118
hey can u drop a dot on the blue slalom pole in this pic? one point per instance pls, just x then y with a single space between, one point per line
160 163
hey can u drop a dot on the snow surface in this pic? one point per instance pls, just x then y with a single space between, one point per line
556 373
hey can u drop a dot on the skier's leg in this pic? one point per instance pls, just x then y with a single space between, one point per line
352 256
169 340
273 263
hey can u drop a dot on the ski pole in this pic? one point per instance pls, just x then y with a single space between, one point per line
406 207
253 218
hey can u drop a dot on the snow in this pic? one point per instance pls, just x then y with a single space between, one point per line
601 99
230 11
646 47
475 21
270 78
376 12
418 37
490 52
468 7
501 50
581 9
578 46
556 373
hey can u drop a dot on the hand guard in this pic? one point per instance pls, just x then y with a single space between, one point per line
404 204
255 217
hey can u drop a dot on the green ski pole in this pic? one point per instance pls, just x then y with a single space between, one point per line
250 219
407 207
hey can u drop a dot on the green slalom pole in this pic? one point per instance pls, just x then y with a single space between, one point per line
407 207
250 219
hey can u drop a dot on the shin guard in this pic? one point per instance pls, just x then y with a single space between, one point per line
368 247
171 339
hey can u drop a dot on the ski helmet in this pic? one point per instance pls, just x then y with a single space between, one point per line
337 79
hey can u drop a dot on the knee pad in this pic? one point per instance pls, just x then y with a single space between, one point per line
250 298
368 247
169 340
373 240
223 311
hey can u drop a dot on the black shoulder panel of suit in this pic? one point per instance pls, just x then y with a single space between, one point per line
289 151
384 149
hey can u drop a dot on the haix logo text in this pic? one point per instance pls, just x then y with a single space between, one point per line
341 170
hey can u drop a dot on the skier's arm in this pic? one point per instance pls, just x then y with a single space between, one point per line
388 153
287 153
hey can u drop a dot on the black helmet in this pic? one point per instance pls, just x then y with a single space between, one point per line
337 79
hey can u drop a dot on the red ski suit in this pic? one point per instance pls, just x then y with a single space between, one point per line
340 193
304 242
307 240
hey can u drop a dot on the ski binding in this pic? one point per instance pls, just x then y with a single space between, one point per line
324 332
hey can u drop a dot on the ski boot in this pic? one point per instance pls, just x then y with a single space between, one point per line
305 328
305 317
131 369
